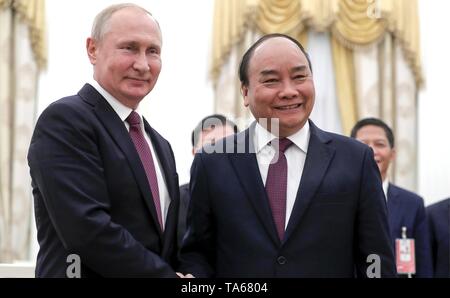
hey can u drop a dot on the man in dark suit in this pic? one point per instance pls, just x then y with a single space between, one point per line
284 198
439 224
209 130
405 209
104 181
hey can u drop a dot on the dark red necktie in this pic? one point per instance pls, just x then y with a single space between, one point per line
276 184
145 155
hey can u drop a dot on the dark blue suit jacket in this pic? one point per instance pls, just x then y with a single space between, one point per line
339 217
406 209
439 223
185 198
91 193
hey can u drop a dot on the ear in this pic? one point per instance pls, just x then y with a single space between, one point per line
244 91
393 154
91 48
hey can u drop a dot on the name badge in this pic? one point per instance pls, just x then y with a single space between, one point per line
405 256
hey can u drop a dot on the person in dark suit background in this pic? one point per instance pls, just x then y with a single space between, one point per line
439 224
405 208
209 130
285 198
104 181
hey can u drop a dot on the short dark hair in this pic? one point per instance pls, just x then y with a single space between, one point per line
376 122
243 67
217 118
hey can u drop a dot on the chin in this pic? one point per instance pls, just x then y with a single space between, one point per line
294 123
137 95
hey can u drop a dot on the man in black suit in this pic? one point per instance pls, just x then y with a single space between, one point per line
405 209
104 181
285 198
209 130
439 224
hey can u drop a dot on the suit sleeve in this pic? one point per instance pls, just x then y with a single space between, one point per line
372 223
422 240
182 213
67 170
198 250
433 238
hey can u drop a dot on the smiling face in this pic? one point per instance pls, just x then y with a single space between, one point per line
375 137
280 86
127 60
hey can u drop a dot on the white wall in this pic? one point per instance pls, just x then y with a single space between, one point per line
434 102
183 95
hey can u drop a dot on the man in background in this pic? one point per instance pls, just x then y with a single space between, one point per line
405 209
209 130
104 181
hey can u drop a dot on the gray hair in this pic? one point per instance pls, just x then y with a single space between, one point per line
99 28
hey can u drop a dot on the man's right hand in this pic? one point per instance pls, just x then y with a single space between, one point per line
181 275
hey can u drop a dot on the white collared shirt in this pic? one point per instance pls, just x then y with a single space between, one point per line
385 188
123 112
295 156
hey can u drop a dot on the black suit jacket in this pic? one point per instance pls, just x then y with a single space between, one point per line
338 220
439 223
91 193
185 198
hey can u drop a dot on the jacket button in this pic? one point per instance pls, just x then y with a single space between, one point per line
281 260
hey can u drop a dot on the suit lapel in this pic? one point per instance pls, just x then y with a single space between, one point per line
119 133
318 158
163 153
246 167
394 207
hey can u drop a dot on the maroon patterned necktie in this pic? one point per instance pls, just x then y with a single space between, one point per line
145 155
276 185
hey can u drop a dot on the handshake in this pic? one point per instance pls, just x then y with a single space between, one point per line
181 275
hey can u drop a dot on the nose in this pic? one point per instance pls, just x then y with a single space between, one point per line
141 64
288 90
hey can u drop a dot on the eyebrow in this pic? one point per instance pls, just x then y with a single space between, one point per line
137 43
299 68
268 72
374 140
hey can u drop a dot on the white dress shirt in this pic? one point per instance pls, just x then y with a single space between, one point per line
385 188
295 156
123 112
